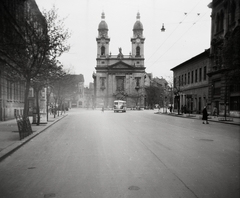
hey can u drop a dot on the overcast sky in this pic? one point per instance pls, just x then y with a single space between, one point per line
187 24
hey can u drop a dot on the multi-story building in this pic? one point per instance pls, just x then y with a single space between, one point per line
119 76
224 81
191 84
12 15
11 92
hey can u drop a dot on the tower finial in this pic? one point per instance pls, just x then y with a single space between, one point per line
138 16
103 16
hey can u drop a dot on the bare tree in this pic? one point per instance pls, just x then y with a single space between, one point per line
44 79
28 42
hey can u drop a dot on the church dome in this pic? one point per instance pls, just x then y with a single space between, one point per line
103 25
138 25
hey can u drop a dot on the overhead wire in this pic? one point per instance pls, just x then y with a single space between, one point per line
167 38
186 15
177 40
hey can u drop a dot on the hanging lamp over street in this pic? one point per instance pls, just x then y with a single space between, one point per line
163 29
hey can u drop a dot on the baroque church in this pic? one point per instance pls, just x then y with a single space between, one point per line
120 77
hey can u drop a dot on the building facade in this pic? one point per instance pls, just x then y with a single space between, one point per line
191 84
12 90
21 25
224 83
119 76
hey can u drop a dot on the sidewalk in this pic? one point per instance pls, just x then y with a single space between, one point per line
219 119
9 135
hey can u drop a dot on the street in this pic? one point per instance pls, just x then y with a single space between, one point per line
137 154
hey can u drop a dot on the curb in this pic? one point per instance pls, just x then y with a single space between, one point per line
15 146
197 118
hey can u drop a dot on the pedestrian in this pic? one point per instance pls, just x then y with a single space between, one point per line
103 109
170 108
205 115
214 111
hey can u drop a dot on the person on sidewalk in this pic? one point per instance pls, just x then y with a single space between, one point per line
205 115
215 112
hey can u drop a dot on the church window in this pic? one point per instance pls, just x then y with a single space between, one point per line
137 81
137 51
102 81
102 51
120 83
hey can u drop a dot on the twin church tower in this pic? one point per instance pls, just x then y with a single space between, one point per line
119 77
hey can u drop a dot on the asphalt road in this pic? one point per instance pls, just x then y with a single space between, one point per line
138 154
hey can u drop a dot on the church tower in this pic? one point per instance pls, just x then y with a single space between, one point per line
119 76
138 39
102 39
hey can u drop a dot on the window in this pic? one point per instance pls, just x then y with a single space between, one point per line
102 51
220 21
192 77
185 81
205 73
200 74
9 90
182 81
137 51
235 103
217 87
120 83
138 81
196 76
179 81
102 81
188 77
232 12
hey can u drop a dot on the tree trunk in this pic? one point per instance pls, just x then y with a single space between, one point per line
26 105
37 106
26 128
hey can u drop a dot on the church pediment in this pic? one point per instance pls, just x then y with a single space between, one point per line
120 65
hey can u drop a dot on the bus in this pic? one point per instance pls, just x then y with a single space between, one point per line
119 105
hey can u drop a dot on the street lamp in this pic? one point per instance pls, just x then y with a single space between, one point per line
163 28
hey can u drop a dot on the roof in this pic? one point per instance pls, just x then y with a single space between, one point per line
103 25
205 53
138 25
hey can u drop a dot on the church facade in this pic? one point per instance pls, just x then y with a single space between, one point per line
120 77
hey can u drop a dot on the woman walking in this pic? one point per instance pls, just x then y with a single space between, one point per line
205 115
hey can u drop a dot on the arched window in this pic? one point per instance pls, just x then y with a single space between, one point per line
102 51
137 51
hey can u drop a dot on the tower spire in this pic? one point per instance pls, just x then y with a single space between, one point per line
138 16
103 16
